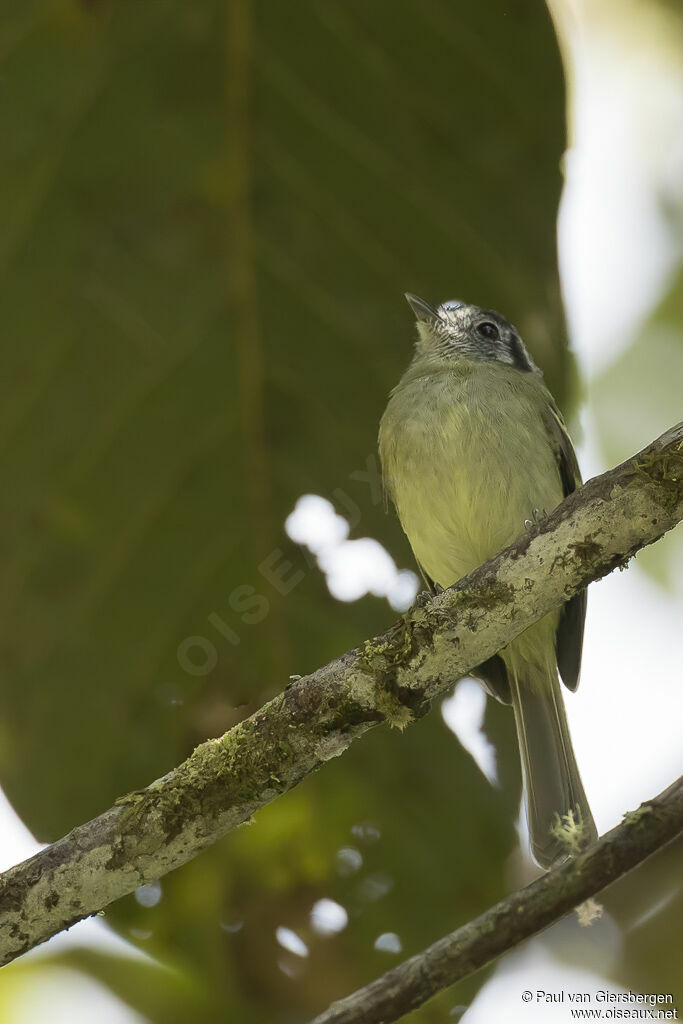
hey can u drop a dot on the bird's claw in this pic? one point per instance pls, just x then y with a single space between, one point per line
537 516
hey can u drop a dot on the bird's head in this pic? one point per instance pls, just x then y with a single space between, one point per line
461 331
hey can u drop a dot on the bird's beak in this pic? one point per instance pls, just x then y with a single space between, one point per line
422 310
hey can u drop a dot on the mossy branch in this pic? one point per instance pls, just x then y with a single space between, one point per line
518 917
391 678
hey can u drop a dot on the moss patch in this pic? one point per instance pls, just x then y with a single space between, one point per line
665 469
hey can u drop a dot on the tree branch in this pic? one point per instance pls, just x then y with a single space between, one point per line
393 678
519 916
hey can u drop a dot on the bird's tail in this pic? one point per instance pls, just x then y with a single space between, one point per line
554 794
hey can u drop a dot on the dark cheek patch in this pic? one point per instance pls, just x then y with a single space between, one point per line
520 360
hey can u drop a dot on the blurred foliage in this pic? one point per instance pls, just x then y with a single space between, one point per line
210 213
655 355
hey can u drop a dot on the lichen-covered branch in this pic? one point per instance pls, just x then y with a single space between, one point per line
391 678
519 916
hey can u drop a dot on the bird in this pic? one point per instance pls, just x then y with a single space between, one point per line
473 447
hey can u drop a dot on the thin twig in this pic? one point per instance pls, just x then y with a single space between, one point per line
519 916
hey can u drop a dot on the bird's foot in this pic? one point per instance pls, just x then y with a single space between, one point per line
537 517
424 598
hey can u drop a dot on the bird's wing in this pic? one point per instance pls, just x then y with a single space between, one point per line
569 638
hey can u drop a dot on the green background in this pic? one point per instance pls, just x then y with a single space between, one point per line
210 212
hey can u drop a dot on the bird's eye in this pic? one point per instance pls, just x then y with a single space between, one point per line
488 330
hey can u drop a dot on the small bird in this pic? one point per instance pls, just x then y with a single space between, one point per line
472 447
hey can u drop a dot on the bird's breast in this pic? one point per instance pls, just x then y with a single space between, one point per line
466 459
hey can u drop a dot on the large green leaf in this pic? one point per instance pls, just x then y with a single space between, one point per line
210 213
